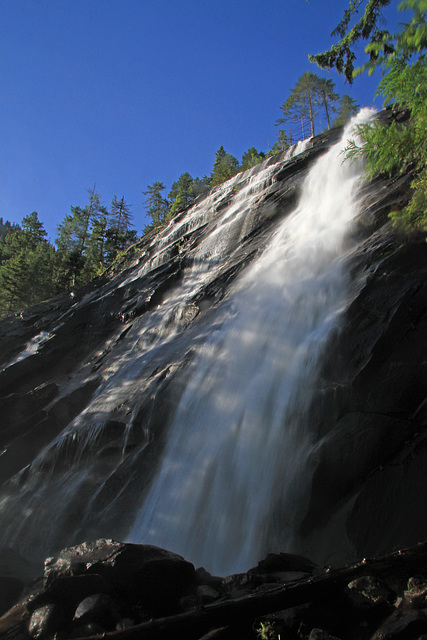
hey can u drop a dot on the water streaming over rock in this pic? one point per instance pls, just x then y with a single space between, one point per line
230 484
231 481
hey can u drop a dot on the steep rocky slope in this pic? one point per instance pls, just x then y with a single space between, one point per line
80 443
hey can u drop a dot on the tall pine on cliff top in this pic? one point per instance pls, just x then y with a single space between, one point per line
157 206
310 94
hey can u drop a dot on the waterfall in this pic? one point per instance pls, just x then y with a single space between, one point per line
50 501
233 477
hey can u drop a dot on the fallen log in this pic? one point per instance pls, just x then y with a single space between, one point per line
240 611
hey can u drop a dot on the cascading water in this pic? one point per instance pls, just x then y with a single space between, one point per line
37 505
230 483
232 478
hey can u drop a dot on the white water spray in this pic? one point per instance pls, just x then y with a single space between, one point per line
38 499
232 480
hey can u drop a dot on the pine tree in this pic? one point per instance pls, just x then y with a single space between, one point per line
118 236
157 206
68 237
79 259
95 250
225 167
302 104
250 158
28 269
14 283
328 97
284 140
90 215
348 108
75 229
341 56
201 185
181 193
33 229
120 215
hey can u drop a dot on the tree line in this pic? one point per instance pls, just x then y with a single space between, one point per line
90 237
88 241
312 104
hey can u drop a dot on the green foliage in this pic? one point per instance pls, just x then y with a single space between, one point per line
250 158
390 149
284 140
157 206
301 104
28 266
201 185
118 235
5 227
89 239
402 58
410 41
347 108
81 242
341 55
34 229
310 94
95 250
327 97
120 216
182 193
225 167
267 631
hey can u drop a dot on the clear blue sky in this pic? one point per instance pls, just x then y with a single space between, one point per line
123 93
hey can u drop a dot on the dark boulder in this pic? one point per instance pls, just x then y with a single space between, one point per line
45 621
99 609
159 577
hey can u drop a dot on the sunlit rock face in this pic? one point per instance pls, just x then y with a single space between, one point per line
250 379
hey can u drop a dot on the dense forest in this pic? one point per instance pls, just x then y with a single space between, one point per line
92 236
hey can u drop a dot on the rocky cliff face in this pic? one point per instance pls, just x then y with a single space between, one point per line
90 383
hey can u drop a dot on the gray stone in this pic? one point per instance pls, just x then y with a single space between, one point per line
98 609
368 592
207 594
45 621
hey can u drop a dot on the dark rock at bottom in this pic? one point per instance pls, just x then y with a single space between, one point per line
124 591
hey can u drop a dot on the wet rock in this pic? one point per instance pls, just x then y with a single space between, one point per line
405 624
45 621
159 577
69 590
283 567
13 564
204 577
99 609
325 606
368 592
207 594
416 592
